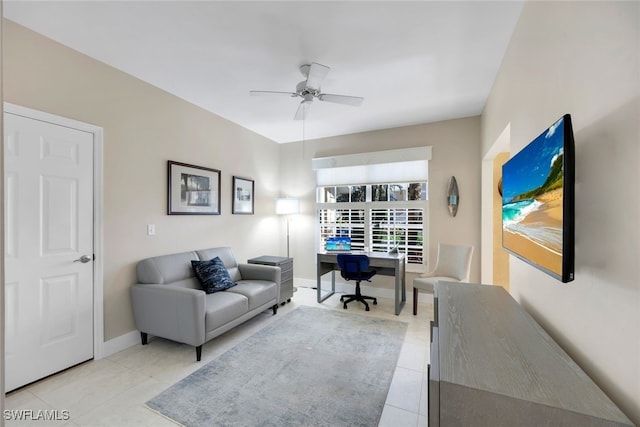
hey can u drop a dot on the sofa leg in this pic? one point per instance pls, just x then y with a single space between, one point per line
143 337
275 309
198 353
415 301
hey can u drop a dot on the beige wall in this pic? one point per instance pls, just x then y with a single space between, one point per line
143 128
500 256
456 151
582 58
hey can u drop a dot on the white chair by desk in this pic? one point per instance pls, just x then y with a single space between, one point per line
453 264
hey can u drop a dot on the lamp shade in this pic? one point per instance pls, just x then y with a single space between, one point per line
287 206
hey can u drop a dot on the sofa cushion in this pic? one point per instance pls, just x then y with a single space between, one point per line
225 253
166 269
213 275
223 307
258 292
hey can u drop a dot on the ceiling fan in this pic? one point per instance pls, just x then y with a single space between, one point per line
310 88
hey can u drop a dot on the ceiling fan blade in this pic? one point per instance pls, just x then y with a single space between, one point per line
341 99
317 73
270 92
301 112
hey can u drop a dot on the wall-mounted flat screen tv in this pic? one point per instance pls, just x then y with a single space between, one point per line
538 202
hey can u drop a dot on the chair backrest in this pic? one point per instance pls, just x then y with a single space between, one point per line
352 266
454 261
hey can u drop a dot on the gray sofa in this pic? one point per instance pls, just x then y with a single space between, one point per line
169 302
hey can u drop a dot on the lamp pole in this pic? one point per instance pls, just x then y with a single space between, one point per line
288 220
287 206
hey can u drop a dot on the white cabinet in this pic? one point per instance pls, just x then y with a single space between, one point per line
493 365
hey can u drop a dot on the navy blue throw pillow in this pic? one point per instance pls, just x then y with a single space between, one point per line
213 275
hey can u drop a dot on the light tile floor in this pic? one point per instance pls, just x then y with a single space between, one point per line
113 391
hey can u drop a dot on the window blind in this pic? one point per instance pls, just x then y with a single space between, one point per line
404 165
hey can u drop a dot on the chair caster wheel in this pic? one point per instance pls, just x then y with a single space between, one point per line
366 308
375 302
345 306
341 299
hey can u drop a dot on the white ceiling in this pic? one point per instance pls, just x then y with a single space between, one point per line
413 62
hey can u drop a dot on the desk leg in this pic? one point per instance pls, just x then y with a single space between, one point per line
397 295
400 287
319 284
320 297
404 283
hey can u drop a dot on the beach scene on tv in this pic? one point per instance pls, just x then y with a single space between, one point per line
532 200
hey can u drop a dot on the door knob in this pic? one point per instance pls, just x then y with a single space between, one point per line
83 259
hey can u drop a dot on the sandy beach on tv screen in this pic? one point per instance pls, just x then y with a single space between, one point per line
549 215
534 252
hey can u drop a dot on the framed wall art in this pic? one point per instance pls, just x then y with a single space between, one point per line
192 190
242 194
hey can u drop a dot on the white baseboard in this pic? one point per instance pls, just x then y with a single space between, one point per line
120 343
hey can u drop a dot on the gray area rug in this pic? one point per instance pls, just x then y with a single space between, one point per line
311 367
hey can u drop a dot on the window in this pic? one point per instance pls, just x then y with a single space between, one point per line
401 228
379 199
343 223
379 217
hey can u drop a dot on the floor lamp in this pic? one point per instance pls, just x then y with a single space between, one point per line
287 207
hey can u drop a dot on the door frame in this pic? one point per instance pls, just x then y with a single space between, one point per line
98 222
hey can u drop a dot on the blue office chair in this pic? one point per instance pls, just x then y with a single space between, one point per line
356 267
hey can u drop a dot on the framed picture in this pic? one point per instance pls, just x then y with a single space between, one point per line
192 190
242 196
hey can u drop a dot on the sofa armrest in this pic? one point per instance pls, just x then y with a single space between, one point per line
260 272
171 312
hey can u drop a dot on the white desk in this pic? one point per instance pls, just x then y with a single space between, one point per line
385 264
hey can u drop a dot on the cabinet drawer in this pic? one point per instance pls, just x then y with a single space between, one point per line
286 268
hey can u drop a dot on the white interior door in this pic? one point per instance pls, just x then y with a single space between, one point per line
48 248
